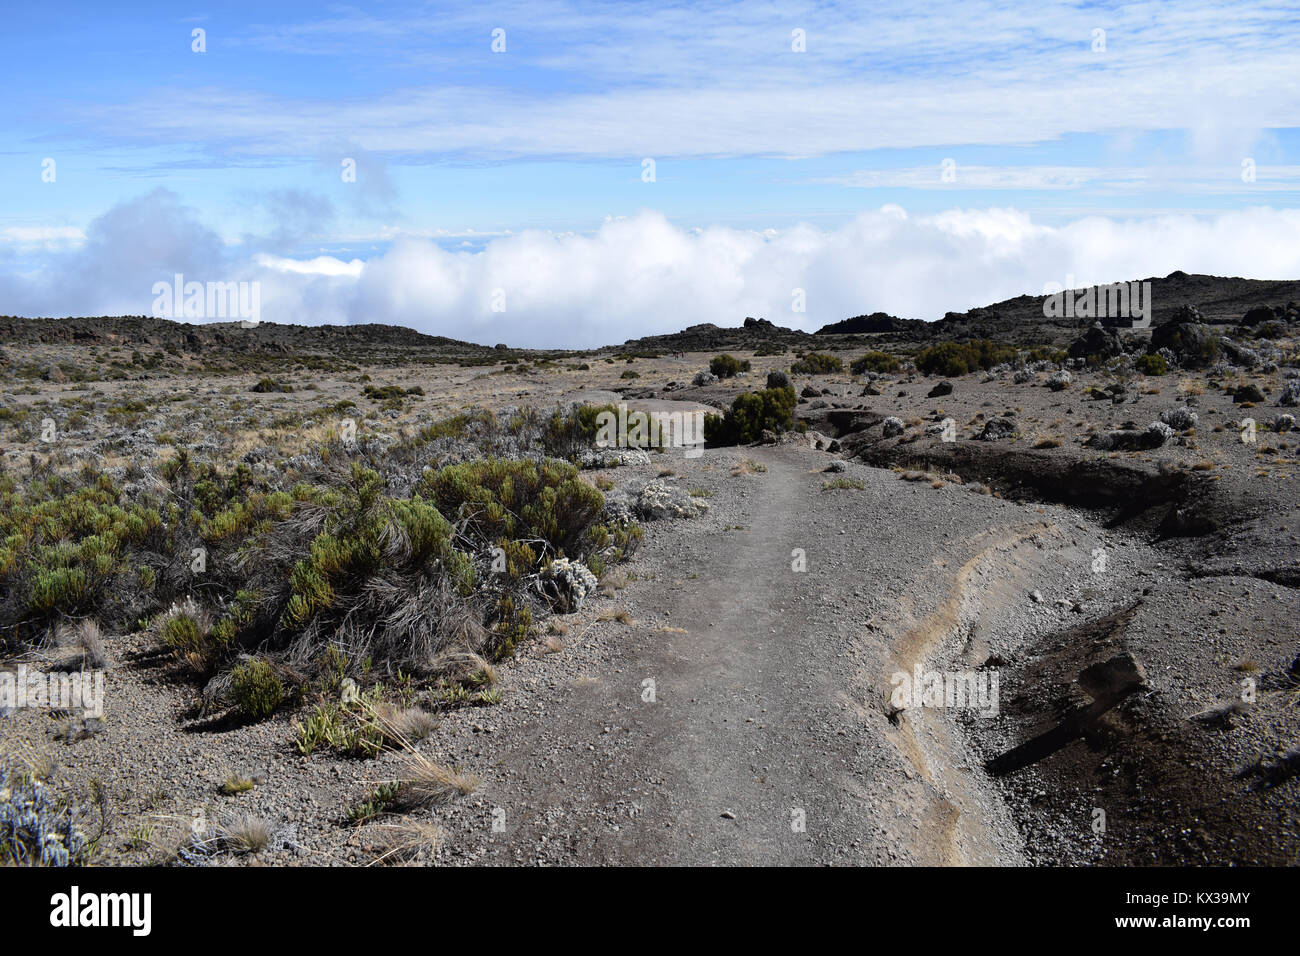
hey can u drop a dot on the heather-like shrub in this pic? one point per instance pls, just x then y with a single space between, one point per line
1151 364
817 363
958 358
752 413
256 689
727 366
271 385
875 362
496 498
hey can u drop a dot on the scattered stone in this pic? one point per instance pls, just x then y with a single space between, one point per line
996 429
1156 434
1240 354
1180 418
659 500
1112 679
1130 438
943 388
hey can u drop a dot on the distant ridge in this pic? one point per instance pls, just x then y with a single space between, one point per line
874 323
145 332
1016 321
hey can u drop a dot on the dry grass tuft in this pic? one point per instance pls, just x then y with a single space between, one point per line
406 841
425 783
243 833
86 638
236 784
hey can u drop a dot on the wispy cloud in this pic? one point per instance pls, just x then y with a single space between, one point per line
1194 178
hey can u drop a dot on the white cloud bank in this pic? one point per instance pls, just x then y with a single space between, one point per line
644 275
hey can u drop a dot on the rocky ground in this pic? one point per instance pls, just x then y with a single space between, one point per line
727 696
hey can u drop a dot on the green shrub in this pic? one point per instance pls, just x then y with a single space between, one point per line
817 363
65 550
384 393
271 385
1151 364
255 689
457 426
875 362
727 366
630 374
752 413
568 433
1045 353
957 358
497 498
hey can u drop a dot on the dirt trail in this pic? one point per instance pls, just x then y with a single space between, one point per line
732 712
768 739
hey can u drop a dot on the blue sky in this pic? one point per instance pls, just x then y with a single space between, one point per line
911 157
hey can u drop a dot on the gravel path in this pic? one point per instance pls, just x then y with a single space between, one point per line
769 738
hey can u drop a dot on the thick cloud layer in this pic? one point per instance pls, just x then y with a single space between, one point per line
644 275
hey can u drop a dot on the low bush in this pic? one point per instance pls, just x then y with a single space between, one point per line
875 362
271 385
958 358
752 413
1151 364
727 366
256 689
817 363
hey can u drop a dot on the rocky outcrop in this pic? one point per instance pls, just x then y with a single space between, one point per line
1097 341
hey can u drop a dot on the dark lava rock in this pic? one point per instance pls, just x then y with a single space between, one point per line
1112 679
1098 341
996 429
943 388
1194 342
1247 393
